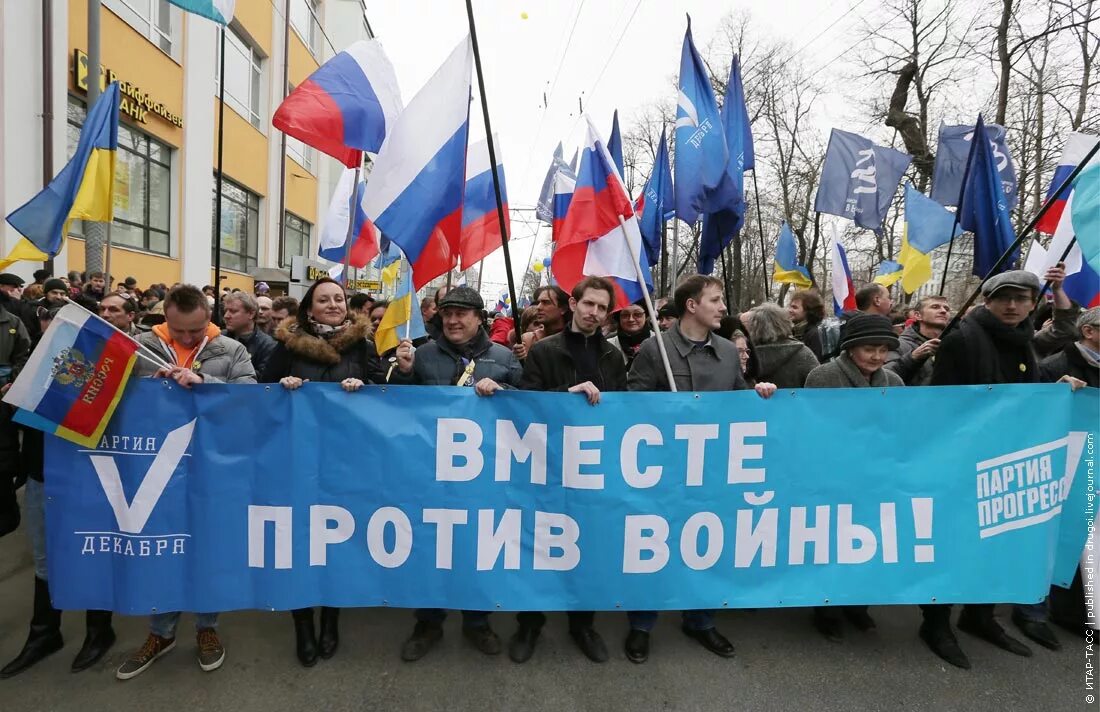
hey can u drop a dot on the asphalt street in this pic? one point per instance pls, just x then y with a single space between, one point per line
781 664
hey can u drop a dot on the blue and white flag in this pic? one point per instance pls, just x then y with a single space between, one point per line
220 11
701 151
859 179
951 155
544 209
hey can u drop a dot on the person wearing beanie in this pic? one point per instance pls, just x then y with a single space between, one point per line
865 342
993 345
55 293
462 356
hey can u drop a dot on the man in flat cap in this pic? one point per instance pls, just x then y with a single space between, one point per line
993 345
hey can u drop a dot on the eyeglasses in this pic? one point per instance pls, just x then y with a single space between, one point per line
633 315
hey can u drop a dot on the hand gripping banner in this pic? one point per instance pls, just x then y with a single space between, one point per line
234 497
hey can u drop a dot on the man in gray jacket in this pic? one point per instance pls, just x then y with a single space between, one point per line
701 361
462 356
918 344
196 352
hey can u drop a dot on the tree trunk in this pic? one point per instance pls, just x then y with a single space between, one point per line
1004 61
909 127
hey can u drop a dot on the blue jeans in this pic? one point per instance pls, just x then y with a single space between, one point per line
436 616
693 620
164 624
34 518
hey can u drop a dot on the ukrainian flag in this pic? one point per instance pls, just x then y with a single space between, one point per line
927 226
402 310
889 272
787 270
84 189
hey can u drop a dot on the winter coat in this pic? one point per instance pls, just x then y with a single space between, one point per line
15 346
901 362
346 354
629 352
1061 333
1069 362
549 365
441 363
219 360
784 363
260 346
25 311
985 351
714 366
842 372
810 335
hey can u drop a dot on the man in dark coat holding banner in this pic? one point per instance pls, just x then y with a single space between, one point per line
578 359
461 356
993 345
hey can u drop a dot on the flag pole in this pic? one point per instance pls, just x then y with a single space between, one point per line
675 254
492 156
218 185
1023 234
412 299
351 223
664 258
951 242
649 306
763 251
726 276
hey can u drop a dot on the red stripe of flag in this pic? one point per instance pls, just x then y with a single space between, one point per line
89 409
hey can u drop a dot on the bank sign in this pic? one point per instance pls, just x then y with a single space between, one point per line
234 497
135 102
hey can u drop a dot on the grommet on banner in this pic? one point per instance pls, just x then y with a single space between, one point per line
725 604
696 396
267 388
498 605
826 600
385 602
618 605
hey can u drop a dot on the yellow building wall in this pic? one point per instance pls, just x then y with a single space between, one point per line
301 191
146 268
256 17
234 280
245 152
302 63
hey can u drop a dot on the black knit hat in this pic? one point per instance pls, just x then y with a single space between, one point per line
52 284
863 328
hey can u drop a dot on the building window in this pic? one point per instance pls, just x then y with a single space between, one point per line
243 68
297 150
295 239
154 19
143 195
303 18
240 226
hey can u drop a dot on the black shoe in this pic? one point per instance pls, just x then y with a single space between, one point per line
590 643
305 637
483 638
942 642
98 640
990 631
1038 631
860 618
712 640
522 645
330 632
45 635
828 623
637 646
423 637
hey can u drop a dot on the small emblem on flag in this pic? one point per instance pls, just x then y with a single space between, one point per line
71 368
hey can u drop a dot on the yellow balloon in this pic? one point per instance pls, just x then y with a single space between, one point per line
537 267
523 15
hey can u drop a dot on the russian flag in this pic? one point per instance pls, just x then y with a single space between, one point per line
1082 283
75 378
480 222
415 191
1076 148
593 241
564 186
346 106
365 237
844 292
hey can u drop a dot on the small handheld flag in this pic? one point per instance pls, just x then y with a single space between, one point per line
402 318
75 377
844 292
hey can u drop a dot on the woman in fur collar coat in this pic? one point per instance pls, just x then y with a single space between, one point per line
323 343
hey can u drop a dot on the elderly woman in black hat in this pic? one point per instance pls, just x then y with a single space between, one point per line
865 341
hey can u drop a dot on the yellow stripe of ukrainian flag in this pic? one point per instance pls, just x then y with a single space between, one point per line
95 197
397 314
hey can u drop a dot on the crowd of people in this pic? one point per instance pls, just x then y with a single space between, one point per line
572 342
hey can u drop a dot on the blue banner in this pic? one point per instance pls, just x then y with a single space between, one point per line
859 179
232 497
952 152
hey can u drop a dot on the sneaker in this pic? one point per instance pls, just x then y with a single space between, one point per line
154 647
211 652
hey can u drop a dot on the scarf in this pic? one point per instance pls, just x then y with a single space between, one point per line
1019 335
324 330
798 328
630 343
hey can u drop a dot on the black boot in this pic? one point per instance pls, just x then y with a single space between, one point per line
305 636
424 636
98 640
45 636
9 505
522 645
330 632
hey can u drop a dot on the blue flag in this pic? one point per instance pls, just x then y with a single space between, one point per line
615 144
720 226
655 205
983 208
859 179
544 209
951 157
701 152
